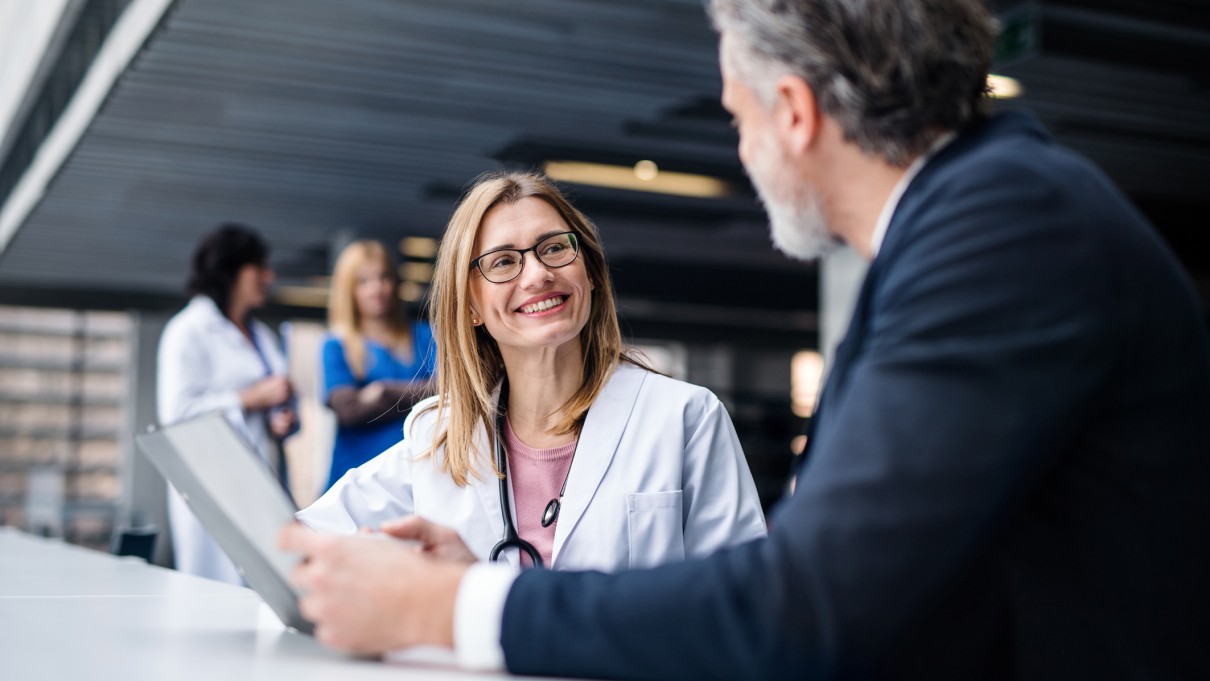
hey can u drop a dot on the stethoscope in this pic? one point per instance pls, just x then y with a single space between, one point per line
511 539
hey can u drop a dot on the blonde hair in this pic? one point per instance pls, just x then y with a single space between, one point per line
343 316
469 363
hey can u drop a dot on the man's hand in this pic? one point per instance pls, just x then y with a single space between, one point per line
438 541
369 595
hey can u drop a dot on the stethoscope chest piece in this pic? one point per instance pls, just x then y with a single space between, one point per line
551 514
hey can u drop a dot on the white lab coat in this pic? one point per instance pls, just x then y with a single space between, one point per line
659 476
203 363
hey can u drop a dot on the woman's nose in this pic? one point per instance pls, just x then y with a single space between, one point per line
534 272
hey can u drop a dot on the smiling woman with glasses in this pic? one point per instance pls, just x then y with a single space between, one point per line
548 442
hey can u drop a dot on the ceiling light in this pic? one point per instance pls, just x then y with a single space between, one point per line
629 177
418 246
806 376
1003 87
421 272
301 296
646 170
411 292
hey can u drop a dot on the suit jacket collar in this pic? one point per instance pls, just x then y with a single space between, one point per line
1007 123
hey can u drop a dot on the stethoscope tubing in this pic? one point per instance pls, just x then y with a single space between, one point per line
511 539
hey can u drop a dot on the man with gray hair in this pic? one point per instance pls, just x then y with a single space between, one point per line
1007 475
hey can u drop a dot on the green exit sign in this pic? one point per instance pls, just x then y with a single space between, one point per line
1020 34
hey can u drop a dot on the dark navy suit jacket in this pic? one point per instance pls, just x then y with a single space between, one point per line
1009 476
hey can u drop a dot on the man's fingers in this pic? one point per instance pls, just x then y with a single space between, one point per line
410 527
329 636
309 607
296 538
302 575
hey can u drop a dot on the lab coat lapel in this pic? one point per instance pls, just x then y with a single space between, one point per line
487 487
603 429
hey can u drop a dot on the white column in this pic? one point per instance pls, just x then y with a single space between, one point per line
840 278
144 492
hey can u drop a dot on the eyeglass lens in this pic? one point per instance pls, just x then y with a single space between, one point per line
504 265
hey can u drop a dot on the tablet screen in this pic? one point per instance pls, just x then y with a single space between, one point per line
235 497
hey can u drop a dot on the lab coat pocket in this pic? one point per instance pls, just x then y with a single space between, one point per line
656 532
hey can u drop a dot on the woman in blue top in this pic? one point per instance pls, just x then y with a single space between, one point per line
376 365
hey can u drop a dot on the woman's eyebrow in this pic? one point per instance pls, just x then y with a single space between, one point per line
501 247
513 247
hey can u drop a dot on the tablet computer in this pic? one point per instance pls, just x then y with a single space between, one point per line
233 494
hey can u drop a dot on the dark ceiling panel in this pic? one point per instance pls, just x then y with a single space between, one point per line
313 119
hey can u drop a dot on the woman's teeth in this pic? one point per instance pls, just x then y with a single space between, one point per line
543 304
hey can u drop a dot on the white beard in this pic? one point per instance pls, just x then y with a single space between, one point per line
796 219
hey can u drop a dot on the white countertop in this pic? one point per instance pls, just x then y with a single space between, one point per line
72 613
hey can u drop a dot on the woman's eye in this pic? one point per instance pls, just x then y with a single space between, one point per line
501 262
551 249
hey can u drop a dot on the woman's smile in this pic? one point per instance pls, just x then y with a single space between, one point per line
545 306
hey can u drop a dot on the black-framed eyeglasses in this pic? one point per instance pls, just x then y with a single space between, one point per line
505 264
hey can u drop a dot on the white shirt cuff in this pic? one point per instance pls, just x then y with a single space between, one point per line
478 614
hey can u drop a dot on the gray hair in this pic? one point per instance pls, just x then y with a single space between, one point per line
894 74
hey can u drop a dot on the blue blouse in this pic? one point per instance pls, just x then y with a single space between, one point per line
356 445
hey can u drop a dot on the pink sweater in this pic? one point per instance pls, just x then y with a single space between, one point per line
536 475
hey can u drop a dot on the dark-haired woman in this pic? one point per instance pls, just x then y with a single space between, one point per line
214 355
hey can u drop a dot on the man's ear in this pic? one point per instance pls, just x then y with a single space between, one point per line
795 114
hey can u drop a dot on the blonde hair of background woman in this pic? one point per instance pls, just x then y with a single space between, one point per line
343 316
469 363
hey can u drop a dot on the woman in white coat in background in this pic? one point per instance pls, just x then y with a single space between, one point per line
214 355
544 429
